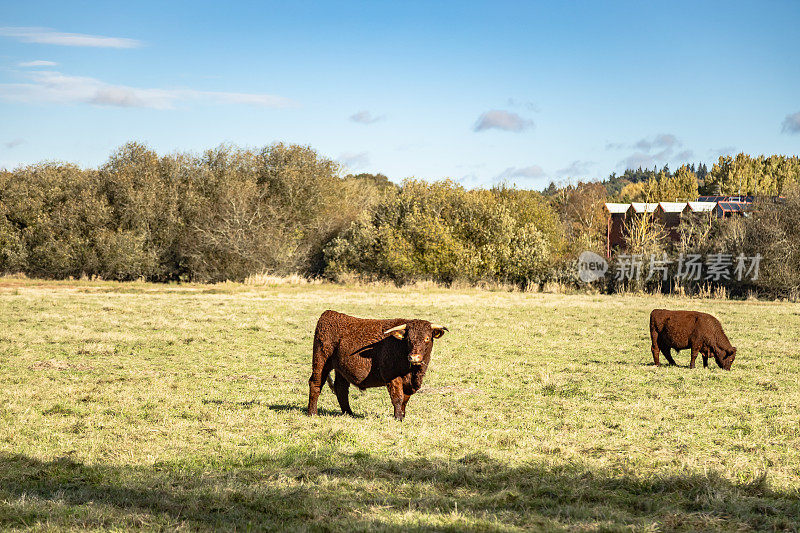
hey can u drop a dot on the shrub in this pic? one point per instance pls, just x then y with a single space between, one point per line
442 232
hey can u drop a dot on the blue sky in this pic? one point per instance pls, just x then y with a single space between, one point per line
480 92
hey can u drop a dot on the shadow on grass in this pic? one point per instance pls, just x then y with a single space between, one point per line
632 363
285 407
301 490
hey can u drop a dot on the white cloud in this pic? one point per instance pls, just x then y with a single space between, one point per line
54 87
49 36
725 150
502 120
14 143
365 117
470 180
644 157
37 63
662 140
685 155
576 169
354 160
791 124
638 160
533 171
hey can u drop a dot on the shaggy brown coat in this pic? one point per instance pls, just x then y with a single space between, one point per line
367 354
680 330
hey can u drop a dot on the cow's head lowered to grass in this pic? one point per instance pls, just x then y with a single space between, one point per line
418 335
726 357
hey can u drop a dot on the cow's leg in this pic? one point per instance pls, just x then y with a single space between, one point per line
321 365
705 359
397 396
654 347
342 388
666 349
695 349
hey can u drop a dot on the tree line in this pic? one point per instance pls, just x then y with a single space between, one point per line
231 212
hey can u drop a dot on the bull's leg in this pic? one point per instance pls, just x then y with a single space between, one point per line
705 359
695 349
654 349
321 365
405 401
342 388
395 388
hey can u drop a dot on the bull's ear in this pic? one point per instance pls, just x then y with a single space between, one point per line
438 330
398 331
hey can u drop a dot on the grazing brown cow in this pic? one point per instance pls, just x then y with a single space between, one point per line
370 353
690 329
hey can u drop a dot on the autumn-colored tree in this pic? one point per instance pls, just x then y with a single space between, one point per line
584 214
678 187
746 175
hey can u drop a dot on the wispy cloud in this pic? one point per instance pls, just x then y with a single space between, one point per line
54 87
469 180
791 124
576 169
365 117
14 143
354 160
49 36
502 120
685 155
662 140
38 63
533 171
725 150
639 160
646 155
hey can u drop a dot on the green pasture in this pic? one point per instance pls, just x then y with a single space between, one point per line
141 406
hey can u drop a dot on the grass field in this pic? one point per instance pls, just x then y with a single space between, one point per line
126 406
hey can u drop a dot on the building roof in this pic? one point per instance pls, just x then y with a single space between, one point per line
617 208
672 207
732 207
701 207
640 207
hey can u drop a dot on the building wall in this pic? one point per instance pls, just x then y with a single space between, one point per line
671 221
616 235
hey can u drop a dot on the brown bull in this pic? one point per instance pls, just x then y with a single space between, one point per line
370 353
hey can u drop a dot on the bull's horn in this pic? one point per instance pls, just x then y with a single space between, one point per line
438 330
396 329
